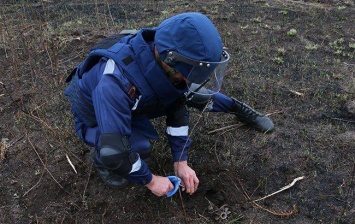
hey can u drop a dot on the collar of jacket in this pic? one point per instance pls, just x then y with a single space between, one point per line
152 71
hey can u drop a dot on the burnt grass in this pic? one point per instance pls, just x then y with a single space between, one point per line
303 78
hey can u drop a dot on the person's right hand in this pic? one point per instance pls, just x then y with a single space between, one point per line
160 186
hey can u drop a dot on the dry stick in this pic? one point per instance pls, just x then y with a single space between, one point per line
109 10
349 64
34 185
87 182
71 164
39 120
215 145
14 141
42 174
246 195
183 207
49 57
282 189
3 147
230 127
183 149
348 191
283 214
4 41
34 149
49 128
193 128
339 119
233 126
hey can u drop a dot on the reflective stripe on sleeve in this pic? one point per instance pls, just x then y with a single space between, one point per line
136 166
180 131
110 67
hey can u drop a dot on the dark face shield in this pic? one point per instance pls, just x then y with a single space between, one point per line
208 74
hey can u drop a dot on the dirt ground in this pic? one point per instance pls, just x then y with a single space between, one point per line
292 60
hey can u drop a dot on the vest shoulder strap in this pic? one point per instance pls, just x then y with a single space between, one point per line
107 47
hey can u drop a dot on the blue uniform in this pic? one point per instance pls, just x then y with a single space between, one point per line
108 98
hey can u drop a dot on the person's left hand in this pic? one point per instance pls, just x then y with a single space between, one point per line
188 176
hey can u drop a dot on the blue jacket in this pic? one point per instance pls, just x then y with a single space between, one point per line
101 96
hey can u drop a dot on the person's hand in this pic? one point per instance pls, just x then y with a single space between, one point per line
160 186
188 176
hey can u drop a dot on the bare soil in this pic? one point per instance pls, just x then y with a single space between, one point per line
293 60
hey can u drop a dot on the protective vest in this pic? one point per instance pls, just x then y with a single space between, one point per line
134 55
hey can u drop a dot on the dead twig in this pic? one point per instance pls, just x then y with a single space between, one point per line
338 119
215 145
87 182
256 205
71 164
192 130
348 203
282 189
14 141
42 174
229 127
3 148
276 112
183 207
349 64
282 214
4 145
39 121
235 126
296 92
45 167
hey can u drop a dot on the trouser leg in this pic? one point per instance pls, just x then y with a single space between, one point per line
89 135
141 145
242 111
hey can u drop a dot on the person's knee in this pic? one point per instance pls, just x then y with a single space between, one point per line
116 154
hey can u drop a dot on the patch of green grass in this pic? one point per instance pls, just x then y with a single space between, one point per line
311 46
281 51
278 60
244 27
292 32
256 20
337 45
283 12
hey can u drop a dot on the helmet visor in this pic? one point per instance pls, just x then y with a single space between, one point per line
208 74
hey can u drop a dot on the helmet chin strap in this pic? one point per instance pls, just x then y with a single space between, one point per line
169 71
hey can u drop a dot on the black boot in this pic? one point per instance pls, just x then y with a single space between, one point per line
107 176
246 114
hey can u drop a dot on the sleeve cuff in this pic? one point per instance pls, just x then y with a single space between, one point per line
142 176
179 147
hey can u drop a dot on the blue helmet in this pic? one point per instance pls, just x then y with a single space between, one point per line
190 43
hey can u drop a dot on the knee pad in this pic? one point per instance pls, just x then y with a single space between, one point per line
201 98
116 153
